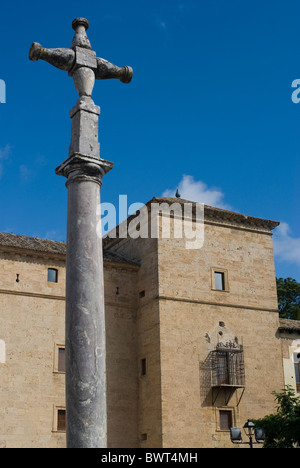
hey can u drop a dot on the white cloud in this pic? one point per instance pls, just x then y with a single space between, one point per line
197 191
286 247
5 152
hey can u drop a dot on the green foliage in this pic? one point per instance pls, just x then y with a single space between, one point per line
288 290
283 428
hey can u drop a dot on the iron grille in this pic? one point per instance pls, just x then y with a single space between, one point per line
227 365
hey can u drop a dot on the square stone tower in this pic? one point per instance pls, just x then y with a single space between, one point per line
206 325
193 342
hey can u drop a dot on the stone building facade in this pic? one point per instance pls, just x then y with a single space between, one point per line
189 333
289 332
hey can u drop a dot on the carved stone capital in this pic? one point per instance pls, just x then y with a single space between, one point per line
82 167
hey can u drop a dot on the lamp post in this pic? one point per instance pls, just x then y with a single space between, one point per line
250 431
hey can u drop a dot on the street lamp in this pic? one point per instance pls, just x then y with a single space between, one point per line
250 431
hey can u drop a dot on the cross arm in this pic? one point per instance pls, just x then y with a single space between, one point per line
106 70
59 58
65 59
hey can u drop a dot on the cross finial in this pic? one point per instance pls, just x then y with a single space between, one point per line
80 26
81 61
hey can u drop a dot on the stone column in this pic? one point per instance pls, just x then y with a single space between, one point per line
85 315
85 318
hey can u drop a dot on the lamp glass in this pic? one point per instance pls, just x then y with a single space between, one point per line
249 428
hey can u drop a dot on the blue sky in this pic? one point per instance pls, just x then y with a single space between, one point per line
209 109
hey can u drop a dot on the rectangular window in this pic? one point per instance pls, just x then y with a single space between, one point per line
228 366
61 360
225 420
222 368
220 280
61 420
52 275
59 363
143 367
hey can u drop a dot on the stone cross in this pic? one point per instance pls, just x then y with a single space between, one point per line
85 316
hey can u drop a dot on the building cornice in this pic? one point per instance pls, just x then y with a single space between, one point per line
220 216
214 304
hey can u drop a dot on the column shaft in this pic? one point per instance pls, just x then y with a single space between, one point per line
85 318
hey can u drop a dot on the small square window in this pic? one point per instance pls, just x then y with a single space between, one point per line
52 275
219 279
225 420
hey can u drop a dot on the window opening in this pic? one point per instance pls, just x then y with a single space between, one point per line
61 360
52 275
220 281
225 420
143 367
61 420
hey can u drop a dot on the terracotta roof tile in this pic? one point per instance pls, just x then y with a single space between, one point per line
289 325
35 244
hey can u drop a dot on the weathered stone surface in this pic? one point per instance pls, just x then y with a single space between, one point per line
106 70
85 315
94 167
33 321
80 56
80 26
84 80
84 134
85 58
174 325
85 319
59 58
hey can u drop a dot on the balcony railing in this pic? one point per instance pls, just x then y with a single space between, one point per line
227 365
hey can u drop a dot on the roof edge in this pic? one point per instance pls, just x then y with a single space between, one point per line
212 213
290 326
37 247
